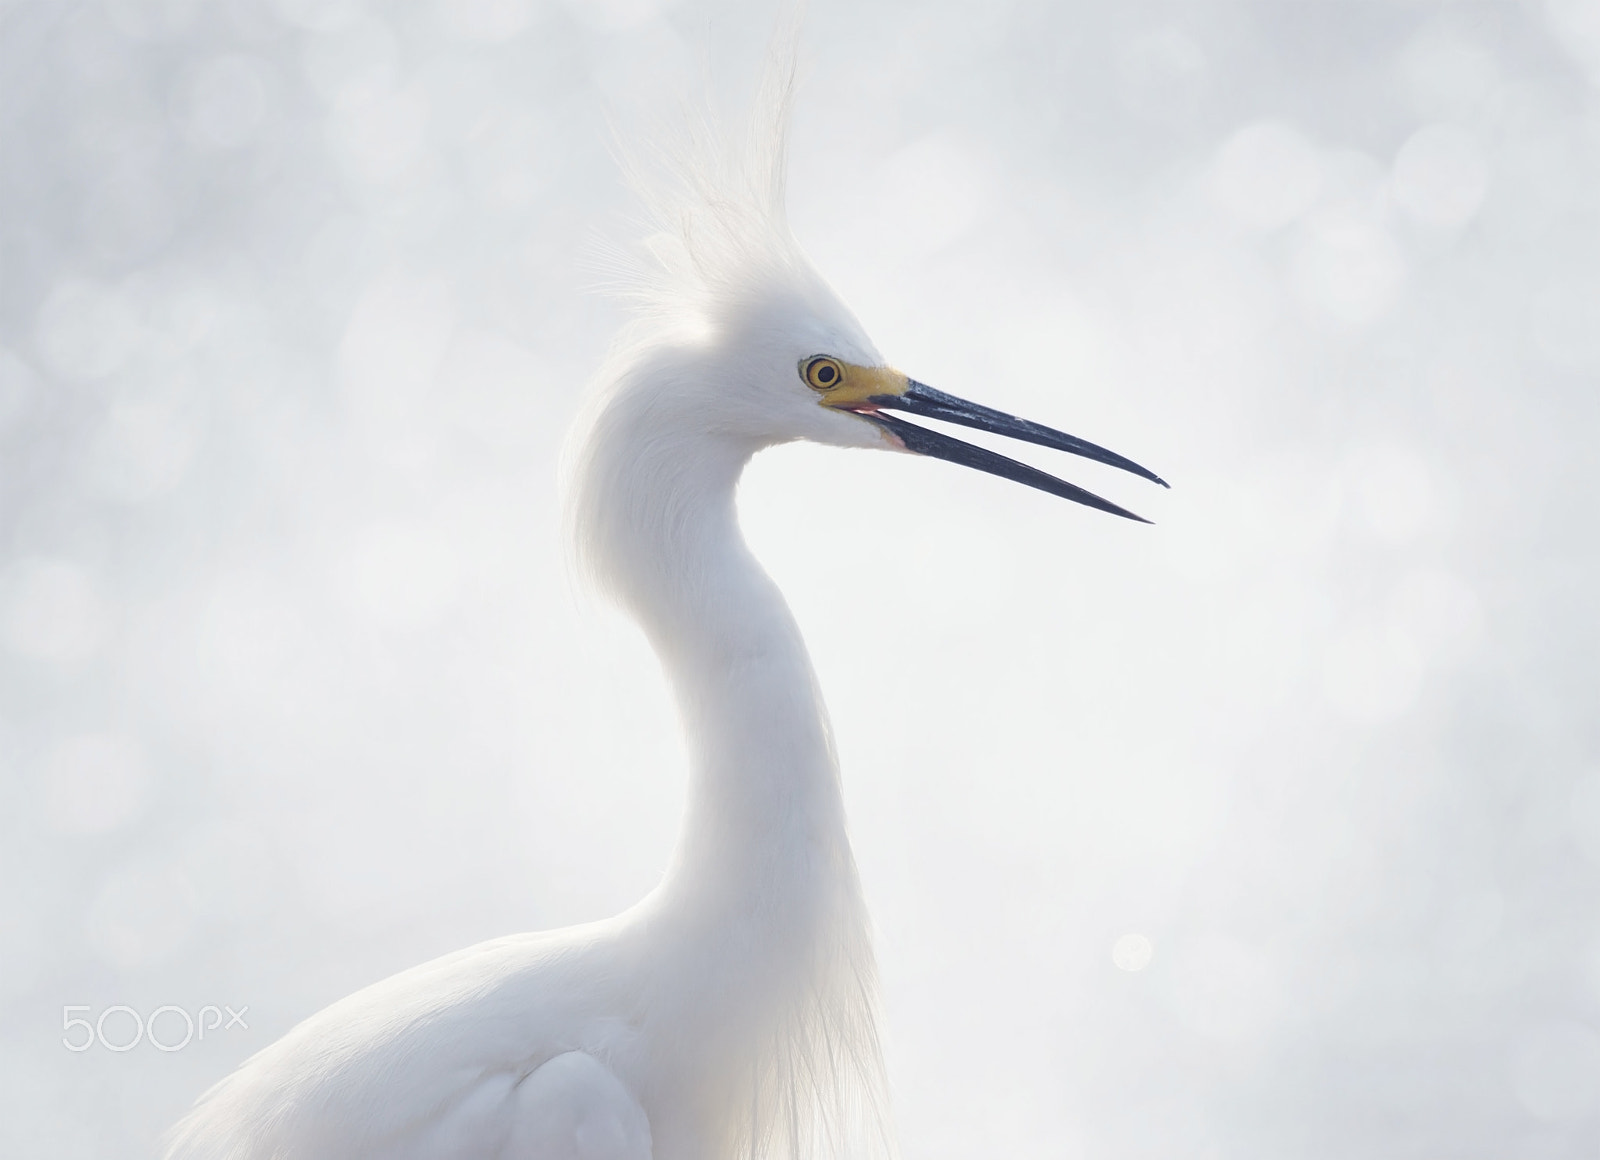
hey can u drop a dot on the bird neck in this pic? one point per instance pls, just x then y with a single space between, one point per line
767 931
765 819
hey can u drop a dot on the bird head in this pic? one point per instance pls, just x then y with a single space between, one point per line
786 360
739 336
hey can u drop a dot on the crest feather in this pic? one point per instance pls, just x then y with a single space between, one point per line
714 226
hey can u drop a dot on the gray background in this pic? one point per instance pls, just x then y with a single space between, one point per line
1270 831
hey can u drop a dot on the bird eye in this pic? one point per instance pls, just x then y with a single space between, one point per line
822 373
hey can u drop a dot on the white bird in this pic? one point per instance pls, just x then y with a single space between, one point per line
732 1012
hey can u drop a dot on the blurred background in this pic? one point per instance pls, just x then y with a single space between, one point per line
1272 830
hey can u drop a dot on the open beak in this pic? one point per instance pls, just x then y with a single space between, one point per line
920 399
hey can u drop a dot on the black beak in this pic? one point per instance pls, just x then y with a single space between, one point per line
921 399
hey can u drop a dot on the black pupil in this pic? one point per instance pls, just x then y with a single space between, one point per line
826 374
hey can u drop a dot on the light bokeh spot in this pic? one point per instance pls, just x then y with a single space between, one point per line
487 20
1266 175
1392 490
1132 952
1441 176
1347 267
94 784
1449 73
86 330
141 452
226 102
51 610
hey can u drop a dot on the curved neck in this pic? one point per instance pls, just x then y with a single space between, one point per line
764 796
769 937
765 814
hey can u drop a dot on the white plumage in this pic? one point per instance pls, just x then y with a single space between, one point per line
732 1013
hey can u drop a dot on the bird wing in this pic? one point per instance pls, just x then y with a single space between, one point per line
492 1053
572 1107
575 1108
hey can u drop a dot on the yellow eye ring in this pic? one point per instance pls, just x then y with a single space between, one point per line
822 373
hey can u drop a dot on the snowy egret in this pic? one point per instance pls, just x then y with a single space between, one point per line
733 1011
